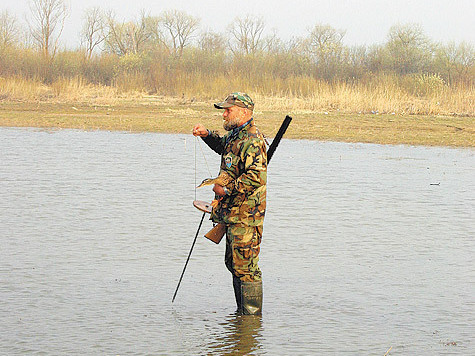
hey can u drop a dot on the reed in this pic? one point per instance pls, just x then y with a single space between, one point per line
21 89
384 94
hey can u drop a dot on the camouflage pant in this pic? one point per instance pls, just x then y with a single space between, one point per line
242 251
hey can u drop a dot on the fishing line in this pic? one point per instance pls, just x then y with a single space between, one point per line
195 166
196 160
202 152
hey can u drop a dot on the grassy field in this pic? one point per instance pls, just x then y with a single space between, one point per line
170 115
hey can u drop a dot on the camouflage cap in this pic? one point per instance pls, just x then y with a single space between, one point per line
239 99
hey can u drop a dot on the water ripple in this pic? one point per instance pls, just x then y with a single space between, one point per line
365 247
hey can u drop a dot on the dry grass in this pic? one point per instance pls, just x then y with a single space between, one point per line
381 113
174 116
385 95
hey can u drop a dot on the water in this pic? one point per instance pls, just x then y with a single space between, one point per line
365 248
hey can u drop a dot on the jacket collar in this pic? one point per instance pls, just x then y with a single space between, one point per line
234 132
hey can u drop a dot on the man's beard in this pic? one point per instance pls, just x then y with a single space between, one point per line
231 124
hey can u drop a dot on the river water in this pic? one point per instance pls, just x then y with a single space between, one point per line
366 248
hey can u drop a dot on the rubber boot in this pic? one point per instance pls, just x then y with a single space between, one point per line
237 294
251 294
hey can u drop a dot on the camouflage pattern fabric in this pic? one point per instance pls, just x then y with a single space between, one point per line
244 157
237 98
242 251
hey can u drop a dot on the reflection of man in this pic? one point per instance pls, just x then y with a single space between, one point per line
240 337
242 202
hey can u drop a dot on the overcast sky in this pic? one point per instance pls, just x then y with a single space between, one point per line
365 21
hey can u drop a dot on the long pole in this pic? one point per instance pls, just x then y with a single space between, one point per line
189 255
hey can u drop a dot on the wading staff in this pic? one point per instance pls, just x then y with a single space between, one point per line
189 255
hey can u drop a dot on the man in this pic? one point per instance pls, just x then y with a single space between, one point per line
242 202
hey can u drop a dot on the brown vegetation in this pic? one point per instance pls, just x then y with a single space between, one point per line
139 63
174 115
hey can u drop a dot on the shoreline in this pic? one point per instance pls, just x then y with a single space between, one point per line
179 117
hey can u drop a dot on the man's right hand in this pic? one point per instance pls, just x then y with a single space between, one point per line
200 130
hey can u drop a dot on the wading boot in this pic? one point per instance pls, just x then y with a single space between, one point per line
251 294
237 294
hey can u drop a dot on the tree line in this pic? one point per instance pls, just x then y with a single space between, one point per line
157 48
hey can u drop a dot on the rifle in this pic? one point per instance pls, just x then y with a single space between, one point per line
218 231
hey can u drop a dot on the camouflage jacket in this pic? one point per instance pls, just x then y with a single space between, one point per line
244 157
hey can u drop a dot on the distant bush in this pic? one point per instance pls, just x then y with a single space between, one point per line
426 84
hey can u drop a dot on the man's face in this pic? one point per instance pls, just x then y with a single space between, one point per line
232 117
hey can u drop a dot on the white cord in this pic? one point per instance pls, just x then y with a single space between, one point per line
195 166
202 152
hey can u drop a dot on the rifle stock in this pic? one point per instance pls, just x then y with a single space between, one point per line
216 233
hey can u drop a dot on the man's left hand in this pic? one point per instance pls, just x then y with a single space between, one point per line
219 190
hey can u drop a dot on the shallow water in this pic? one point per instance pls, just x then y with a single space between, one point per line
365 247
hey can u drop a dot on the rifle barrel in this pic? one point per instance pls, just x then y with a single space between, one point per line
278 137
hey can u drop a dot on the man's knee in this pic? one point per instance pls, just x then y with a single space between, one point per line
242 252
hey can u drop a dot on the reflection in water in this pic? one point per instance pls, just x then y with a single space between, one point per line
241 336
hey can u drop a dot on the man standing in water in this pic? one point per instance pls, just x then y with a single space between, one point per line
242 202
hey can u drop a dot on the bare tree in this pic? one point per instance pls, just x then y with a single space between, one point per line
455 61
8 30
179 28
246 34
326 46
377 58
324 36
212 42
92 33
127 37
47 23
466 61
114 35
357 61
409 47
272 44
138 33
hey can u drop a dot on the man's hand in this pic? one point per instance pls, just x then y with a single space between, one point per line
219 190
200 130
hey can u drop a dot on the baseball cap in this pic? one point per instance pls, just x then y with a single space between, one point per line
237 98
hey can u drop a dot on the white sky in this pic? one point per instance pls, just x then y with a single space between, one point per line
365 21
